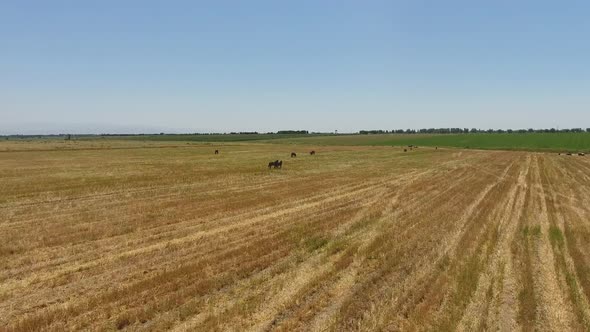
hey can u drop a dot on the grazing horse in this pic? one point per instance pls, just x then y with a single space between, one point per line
312 152
216 151
293 154
275 164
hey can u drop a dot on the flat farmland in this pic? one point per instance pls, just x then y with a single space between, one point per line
168 236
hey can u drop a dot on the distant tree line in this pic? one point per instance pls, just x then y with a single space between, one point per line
305 132
292 132
230 133
472 131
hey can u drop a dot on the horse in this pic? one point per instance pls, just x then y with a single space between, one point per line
216 151
312 152
293 154
275 164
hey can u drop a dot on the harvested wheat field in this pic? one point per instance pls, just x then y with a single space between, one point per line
107 236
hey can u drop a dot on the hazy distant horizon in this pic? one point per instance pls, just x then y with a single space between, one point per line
98 129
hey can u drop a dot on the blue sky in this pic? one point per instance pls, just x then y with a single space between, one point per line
94 66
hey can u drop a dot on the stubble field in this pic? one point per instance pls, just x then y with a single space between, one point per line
126 235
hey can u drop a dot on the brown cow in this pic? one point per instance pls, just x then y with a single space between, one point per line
293 154
216 151
312 152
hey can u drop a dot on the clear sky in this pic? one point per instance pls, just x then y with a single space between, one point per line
114 65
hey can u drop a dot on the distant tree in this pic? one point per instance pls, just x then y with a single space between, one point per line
510 131
588 130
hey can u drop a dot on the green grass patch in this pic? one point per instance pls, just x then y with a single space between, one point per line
572 142
556 236
314 243
531 231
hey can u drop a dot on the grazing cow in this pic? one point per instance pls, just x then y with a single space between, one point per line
405 150
569 153
216 151
293 154
312 152
581 154
436 147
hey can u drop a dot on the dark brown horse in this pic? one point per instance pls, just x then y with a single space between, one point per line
293 154
275 164
312 152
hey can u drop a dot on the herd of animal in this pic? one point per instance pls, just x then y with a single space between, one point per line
569 154
279 163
